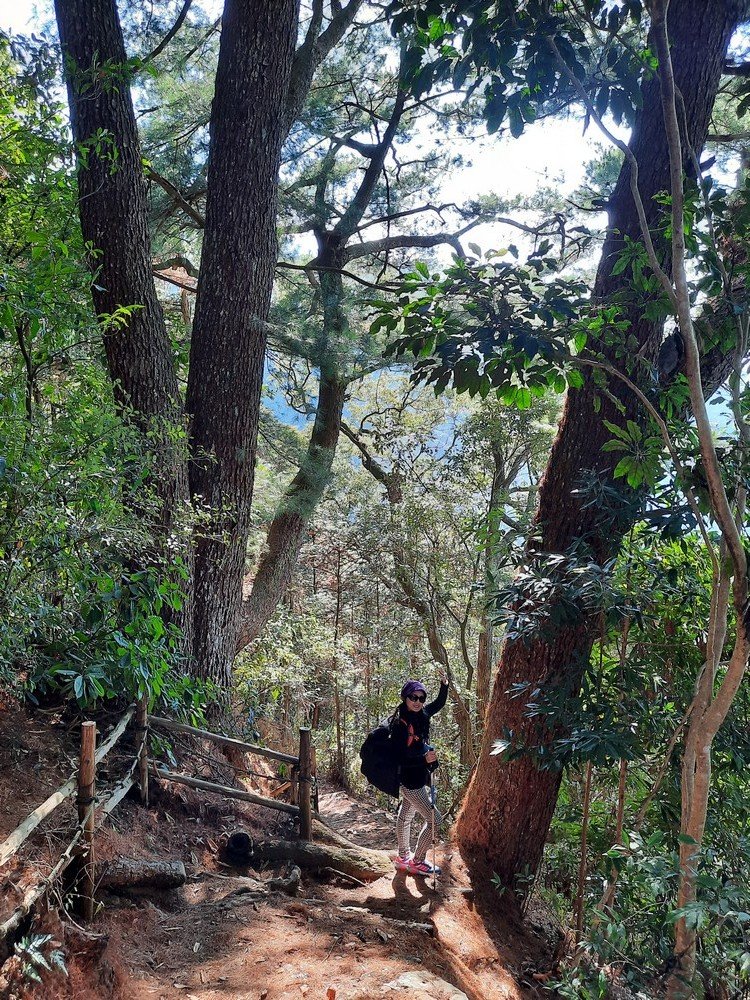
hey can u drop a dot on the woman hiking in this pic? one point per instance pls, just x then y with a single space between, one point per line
410 738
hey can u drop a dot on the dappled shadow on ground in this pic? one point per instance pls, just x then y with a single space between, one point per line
214 940
362 821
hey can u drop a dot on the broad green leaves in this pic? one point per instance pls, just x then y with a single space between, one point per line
525 55
642 462
489 326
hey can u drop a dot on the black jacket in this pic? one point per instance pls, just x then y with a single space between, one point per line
410 733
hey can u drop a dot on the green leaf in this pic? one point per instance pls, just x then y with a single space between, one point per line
523 398
621 264
516 122
684 838
623 467
618 431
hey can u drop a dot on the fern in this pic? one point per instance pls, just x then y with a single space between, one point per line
31 952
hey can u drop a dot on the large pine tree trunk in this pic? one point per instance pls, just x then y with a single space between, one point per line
504 821
234 294
114 222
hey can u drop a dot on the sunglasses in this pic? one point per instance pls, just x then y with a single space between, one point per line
417 697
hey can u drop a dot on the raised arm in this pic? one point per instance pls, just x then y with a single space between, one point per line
434 706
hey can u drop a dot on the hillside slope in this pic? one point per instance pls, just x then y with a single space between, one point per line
228 933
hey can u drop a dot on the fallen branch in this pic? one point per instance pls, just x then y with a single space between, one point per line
352 878
130 873
360 863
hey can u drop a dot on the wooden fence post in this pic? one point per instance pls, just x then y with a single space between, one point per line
141 727
305 801
314 772
86 795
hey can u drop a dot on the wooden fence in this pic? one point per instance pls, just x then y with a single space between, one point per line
92 810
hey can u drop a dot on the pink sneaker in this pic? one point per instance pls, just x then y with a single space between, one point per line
401 863
422 868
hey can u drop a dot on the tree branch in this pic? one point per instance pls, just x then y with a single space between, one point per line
390 480
353 215
177 261
177 197
373 247
312 52
169 35
315 266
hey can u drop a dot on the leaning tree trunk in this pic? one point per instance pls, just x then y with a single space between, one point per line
234 295
508 808
286 533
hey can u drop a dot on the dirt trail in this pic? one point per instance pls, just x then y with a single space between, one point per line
336 940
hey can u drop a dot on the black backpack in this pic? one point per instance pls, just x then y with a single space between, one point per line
379 764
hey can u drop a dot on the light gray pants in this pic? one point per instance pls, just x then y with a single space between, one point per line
415 801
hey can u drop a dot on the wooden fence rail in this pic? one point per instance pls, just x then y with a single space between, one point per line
228 741
303 772
227 791
91 814
36 892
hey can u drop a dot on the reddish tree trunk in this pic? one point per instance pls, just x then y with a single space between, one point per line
508 808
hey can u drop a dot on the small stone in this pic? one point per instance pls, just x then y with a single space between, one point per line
428 984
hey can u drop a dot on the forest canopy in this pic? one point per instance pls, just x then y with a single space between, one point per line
289 413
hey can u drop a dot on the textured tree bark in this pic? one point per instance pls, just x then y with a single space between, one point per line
133 874
504 821
114 221
362 863
234 294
